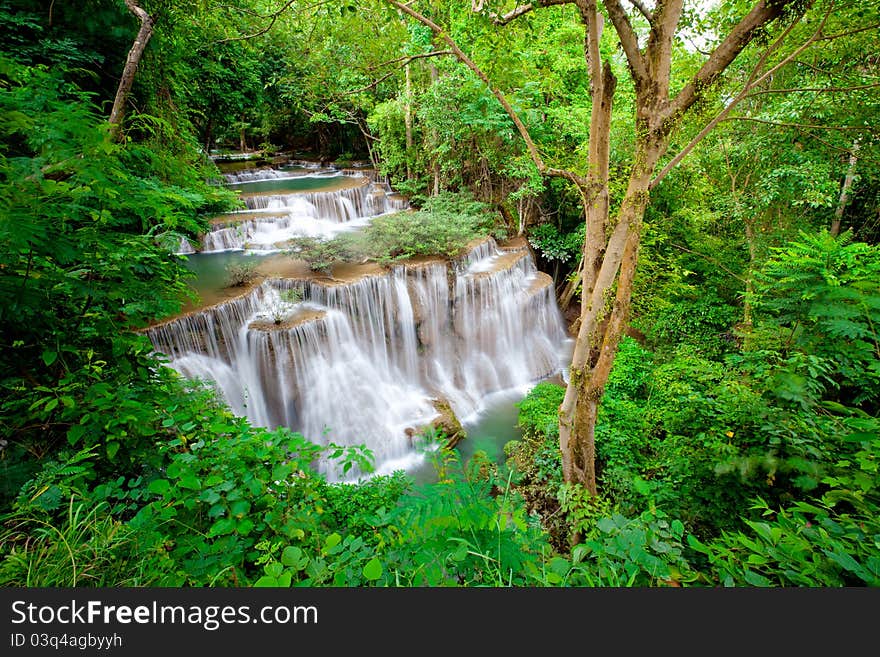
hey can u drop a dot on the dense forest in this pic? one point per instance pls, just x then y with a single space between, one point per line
693 187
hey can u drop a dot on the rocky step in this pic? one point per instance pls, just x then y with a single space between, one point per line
297 318
233 218
332 183
504 261
541 282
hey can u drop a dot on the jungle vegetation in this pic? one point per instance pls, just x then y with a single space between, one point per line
702 180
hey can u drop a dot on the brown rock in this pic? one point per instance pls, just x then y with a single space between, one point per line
445 423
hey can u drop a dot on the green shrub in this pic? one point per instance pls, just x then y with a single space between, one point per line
819 297
705 323
539 410
443 227
647 550
322 254
830 540
240 273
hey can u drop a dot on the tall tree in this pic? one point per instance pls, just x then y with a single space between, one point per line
145 31
612 243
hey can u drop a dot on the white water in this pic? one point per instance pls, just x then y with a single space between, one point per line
316 214
253 175
369 356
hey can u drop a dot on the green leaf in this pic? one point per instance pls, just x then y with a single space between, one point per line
190 481
677 528
606 525
642 487
559 565
579 552
239 508
849 564
331 541
49 357
292 557
159 486
554 578
460 553
372 570
75 433
222 527
754 579
694 543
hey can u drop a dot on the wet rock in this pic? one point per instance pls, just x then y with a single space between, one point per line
446 424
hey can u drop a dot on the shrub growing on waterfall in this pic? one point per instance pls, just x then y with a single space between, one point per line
240 273
442 227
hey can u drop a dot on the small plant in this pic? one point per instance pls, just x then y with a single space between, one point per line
277 312
292 295
240 273
321 255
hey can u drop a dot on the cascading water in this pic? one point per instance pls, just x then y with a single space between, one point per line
271 219
252 175
361 361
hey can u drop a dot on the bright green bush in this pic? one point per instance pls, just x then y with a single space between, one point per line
443 227
539 410
831 540
818 301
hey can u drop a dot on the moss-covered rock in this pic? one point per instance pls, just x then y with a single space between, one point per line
446 424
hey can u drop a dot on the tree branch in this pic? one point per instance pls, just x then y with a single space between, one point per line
804 126
513 14
711 260
629 42
659 49
467 61
272 18
643 9
405 60
737 39
751 83
792 90
831 37
131 64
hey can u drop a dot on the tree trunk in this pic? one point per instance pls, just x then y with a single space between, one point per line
599 331
571 287
657 115
847 184
435 167
131 64
209 136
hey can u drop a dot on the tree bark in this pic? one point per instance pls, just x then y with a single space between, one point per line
435 166
749 223
612 258
847 185
599 330
656 117
131 64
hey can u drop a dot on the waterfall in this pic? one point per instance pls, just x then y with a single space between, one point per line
185 247
283 216
252 175
361 361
